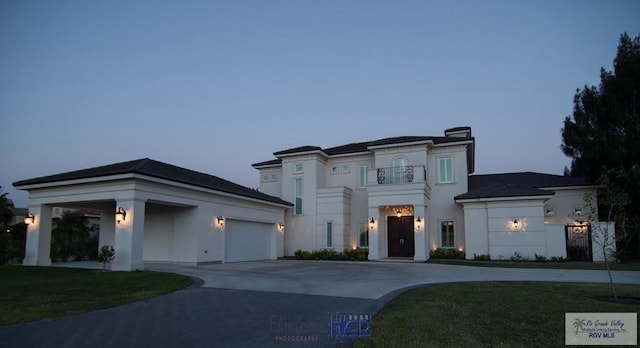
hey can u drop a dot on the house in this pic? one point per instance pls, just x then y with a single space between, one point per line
408 195
399 197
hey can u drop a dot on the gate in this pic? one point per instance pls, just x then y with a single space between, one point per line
578 242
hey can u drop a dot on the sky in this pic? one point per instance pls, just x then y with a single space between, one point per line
215 86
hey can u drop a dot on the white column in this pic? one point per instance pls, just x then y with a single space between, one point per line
129 236
38 244
420 242
107 228
374 234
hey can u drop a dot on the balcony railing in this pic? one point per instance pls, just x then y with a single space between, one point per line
399 175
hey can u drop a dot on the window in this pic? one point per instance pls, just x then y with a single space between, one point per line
364 176
447 235
550 211
399 167
274 177
265 178
297 209
334 170
364 235
577 211
329 234
346 168
445 169
298 168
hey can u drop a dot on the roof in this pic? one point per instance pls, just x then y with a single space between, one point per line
518 184
526 179
365 146
158 170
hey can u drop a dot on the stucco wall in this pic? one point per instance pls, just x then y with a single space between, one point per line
158 237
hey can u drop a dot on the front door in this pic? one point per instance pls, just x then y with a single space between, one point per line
400 236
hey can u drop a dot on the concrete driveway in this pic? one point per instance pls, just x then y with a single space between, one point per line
263 304
369 280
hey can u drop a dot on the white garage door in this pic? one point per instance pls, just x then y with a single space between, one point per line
247 241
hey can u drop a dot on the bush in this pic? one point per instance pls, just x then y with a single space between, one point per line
517 256
357 254
558 259
446 253
482 257
541 258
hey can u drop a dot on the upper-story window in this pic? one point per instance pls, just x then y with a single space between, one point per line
363 175
399 167
445 169
297 195
334 170
298 168
346 168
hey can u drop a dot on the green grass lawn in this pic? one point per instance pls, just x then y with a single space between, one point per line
491 314
34 293
627 266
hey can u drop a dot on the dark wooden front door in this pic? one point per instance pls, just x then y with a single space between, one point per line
400 236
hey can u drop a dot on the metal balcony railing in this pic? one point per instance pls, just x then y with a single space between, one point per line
395 175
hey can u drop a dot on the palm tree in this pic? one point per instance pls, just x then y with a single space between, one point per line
579 324
70 236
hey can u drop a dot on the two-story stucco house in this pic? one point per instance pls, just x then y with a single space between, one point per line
405 196
400 197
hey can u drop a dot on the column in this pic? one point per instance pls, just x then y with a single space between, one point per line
38 244
420 230
107 228
129 236
374 234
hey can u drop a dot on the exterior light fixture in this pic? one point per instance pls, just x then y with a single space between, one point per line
281 227
372 223
29 219
121 215
418 221
220 220
398 213
516 223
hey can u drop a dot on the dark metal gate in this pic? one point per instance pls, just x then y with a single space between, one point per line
578 242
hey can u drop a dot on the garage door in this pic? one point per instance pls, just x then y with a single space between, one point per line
247 241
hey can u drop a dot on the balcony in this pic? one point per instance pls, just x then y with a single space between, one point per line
401 175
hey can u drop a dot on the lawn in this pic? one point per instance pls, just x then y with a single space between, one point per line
491 314
626 266
34 293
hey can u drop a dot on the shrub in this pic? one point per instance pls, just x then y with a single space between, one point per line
541 258
517 256
357 254
482 257
446 253
558 259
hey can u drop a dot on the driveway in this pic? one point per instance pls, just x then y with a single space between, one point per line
264 304
369 280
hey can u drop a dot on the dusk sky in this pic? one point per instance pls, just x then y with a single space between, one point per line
215 86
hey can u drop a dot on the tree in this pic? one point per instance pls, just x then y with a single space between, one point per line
70 237
603 135
612 198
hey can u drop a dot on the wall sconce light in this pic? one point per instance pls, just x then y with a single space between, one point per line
29 219
281 227
120 215
398 213
372 223
516 224
220 220
419 222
